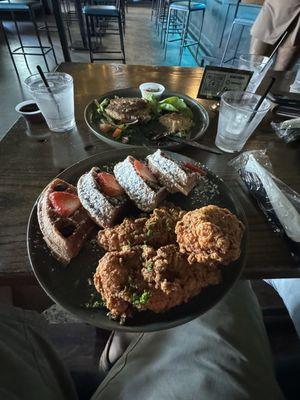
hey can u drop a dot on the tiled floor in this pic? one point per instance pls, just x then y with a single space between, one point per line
142 46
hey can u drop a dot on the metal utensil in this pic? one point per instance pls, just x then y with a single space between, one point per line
192 143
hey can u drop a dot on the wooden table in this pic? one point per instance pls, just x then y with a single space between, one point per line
30 158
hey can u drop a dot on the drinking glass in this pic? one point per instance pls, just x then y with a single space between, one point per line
55 103
252 62
237 119
295 86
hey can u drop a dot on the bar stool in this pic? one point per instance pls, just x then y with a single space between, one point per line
242 22
28 6
187 7
163 20
153 7
161 14
93 16
122 7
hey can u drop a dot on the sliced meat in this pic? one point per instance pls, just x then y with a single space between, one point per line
129 109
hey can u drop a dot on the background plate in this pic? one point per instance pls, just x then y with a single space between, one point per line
68 286
200 117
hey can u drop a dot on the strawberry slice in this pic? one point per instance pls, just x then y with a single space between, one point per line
144 171
64 203
194 168
109 185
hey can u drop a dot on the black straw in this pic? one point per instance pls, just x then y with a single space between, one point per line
264 95
274 51
44 79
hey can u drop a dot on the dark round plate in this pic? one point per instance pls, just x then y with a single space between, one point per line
144 132
68 286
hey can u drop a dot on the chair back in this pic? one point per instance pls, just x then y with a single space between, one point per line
237 8
193 1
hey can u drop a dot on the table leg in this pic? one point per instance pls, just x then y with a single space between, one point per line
61 30
78 7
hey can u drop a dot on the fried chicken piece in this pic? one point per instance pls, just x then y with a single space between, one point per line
210 235
174 281
118 275
143 278
156 230
129 233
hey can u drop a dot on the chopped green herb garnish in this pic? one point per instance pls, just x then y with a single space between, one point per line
95 301
149 233
140 299
135 299
149 266
144 298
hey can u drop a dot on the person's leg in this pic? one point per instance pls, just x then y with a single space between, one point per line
223 354
289 291
30 368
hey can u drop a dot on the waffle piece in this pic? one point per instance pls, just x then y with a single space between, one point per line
176 176
102 197
63 221
139 183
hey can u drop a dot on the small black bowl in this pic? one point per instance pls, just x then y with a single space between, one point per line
30 110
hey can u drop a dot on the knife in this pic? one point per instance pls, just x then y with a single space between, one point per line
193 144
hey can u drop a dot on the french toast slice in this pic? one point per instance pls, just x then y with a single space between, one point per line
102 197
176 176
139 183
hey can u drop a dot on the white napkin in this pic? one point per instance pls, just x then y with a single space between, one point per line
284 209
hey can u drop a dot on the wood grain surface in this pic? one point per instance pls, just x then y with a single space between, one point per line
31 156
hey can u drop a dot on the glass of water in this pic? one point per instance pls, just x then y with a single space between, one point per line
237 119
255 63
55 103
295 87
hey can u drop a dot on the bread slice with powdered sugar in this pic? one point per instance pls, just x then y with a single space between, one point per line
102 197
139 183
175 175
